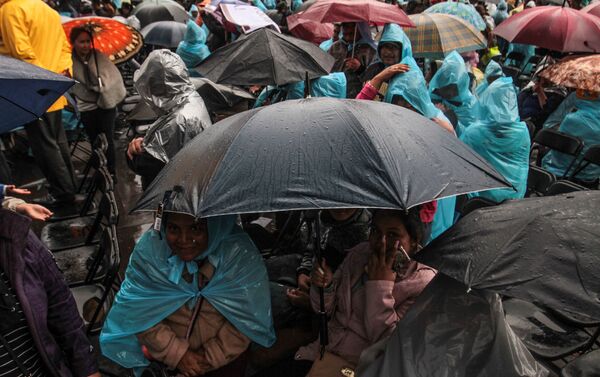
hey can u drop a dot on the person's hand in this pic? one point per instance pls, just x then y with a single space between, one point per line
192 364
351 64
381 261
12 189
321 275
34 211
135 147
255 89
66 73
304 282
298 298
388 73
445 125
97 374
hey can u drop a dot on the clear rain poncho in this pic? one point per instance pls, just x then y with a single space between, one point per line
193 49
333 86
164 84
153 289
412 87
493 71
583 122
393 33
501 139
450 85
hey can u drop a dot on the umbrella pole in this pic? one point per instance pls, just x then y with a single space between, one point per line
96 60
354 42
323 333
306 86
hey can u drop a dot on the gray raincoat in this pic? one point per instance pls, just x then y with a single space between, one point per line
164 84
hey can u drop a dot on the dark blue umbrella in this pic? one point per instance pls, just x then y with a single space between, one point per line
26 92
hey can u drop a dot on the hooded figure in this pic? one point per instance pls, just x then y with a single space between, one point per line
527 51
163 83
158 283
501 13
501 139
333 85
493 71
193 49
583 121
450 85
397 48
412 88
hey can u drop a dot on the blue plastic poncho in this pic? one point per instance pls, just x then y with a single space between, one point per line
492 71
296 4
260 5
412 87
333 85
193 49
527 50
501 139
153 289
393 33
193 9
326 45
584 123
453 73
501 13
270 4
566 106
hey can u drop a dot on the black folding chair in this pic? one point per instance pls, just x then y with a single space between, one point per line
591 156
563 187
531 128
538 181
548 139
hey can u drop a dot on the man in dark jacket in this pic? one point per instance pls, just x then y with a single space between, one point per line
41 332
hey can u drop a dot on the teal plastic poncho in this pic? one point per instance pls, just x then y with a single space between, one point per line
501 13
270 4
501 139
527 50
493 71
154 289
584 123
326 45
450 85
193 8
412 87
393 33
260 5
193 49
296 4
333 85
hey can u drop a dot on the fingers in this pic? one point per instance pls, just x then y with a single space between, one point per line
19 191
391 255
321 276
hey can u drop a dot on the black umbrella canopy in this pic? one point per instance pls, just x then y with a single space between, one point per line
319 153
543 250
266 57
149 11
448 332
164 33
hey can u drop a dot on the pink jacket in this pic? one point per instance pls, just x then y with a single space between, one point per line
364 311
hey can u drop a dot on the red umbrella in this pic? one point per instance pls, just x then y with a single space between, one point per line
593 9
372 11
118 41
309 30
552 27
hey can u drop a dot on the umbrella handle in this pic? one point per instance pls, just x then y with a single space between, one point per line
354 42
323 331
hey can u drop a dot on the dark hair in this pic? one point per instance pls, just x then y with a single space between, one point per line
77 31
411 220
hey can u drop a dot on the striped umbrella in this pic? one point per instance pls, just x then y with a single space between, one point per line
437 35
465 11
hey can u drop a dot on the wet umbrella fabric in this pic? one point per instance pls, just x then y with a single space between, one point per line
448 332
372 11
542 250
465 11
576 72
266 57
308 30
164 33
319 153
593 9
26 92
149 11
552 27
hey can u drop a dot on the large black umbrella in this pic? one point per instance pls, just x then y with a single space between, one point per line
164 33
26 92
149 11
448 332
266 57
544 250
319 153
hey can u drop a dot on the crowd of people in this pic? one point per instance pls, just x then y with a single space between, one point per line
198 297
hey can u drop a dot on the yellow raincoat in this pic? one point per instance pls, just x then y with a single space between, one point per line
31 31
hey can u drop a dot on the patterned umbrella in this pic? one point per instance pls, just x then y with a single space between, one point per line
579 72
465 11
118 41
437 35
